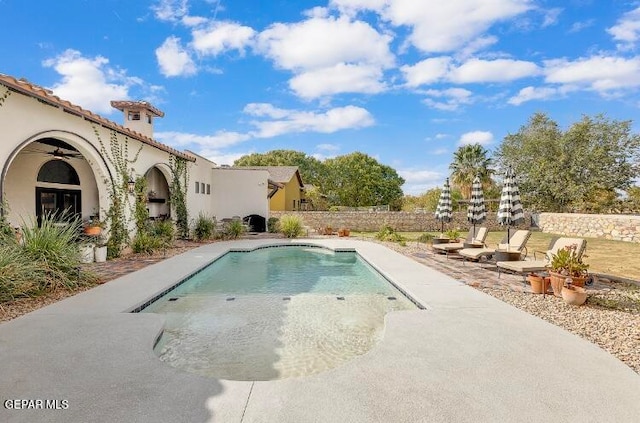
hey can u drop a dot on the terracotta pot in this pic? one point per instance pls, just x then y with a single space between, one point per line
557 282
93 230
574 295
539 284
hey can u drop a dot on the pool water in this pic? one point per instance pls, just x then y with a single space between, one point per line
275 313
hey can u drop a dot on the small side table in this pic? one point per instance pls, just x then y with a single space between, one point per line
504 255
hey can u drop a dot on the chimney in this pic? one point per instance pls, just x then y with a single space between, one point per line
138 115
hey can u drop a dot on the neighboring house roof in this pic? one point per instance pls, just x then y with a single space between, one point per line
42 94
282 174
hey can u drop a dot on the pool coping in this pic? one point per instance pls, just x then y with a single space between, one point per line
465 358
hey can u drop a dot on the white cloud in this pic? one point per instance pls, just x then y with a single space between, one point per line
603 74
418 181
90 82
219 37
341 78
295 121
427 71
627 29
323 42
219 140
220 157
445 27
476 137
439 69
551 16
449 100
533 93
170 10
499 70
579 26
440 151
173 59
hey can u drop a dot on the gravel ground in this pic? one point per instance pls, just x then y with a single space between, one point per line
610 318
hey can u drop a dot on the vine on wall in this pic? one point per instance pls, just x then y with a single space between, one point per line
118 156
178 194
4 96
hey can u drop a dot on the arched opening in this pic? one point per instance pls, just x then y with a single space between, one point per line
52 172
157 194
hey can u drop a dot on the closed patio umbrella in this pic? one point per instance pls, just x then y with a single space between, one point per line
444 210
476 211
510 211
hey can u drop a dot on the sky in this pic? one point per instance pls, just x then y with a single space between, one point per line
405 81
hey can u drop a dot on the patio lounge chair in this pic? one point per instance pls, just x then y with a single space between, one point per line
516 243
538 265
452 247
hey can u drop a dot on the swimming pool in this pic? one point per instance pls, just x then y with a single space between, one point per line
274 313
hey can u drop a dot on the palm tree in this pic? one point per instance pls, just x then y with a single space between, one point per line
469 161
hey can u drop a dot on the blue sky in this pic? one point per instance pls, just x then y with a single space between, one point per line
405 81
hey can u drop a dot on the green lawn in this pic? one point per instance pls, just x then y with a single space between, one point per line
603 256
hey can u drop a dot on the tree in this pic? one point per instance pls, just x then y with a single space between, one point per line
357 179
428 200
311 169
573 170
470 161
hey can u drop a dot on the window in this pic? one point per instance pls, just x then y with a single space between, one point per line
148 118
134 115
197 187
208 189
58 172
202 188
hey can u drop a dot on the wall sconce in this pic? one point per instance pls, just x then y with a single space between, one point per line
132 183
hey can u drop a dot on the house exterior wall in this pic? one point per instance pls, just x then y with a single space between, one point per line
246 187
283 200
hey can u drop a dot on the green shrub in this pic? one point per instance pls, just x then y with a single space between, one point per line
145 243
19 275
272 225
291 226
163 230
204 227
234 229
453 234
387 233
425 238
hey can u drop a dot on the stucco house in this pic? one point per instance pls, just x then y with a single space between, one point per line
289 194
55 155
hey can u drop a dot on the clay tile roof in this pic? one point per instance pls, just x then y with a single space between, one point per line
25 87
136 105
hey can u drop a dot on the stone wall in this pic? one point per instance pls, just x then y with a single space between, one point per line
608 226
400 221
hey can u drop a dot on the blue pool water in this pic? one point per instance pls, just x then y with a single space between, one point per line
275 313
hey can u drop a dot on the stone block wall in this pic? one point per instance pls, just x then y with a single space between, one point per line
400 221
608 226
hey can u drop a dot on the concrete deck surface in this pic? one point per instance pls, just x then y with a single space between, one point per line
466 358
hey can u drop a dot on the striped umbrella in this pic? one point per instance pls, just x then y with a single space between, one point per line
444 210
476 211
510 211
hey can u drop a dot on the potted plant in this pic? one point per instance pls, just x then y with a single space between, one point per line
86 252
453 235
94 226
539 284
343 232
573 295
566 265
100 249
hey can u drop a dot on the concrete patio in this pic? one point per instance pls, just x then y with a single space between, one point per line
467 358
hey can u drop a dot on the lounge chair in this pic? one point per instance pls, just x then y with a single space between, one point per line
538 265
478 238
516 243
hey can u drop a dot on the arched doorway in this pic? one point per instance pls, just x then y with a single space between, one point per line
62 201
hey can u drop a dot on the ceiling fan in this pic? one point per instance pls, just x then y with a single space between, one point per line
59 154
